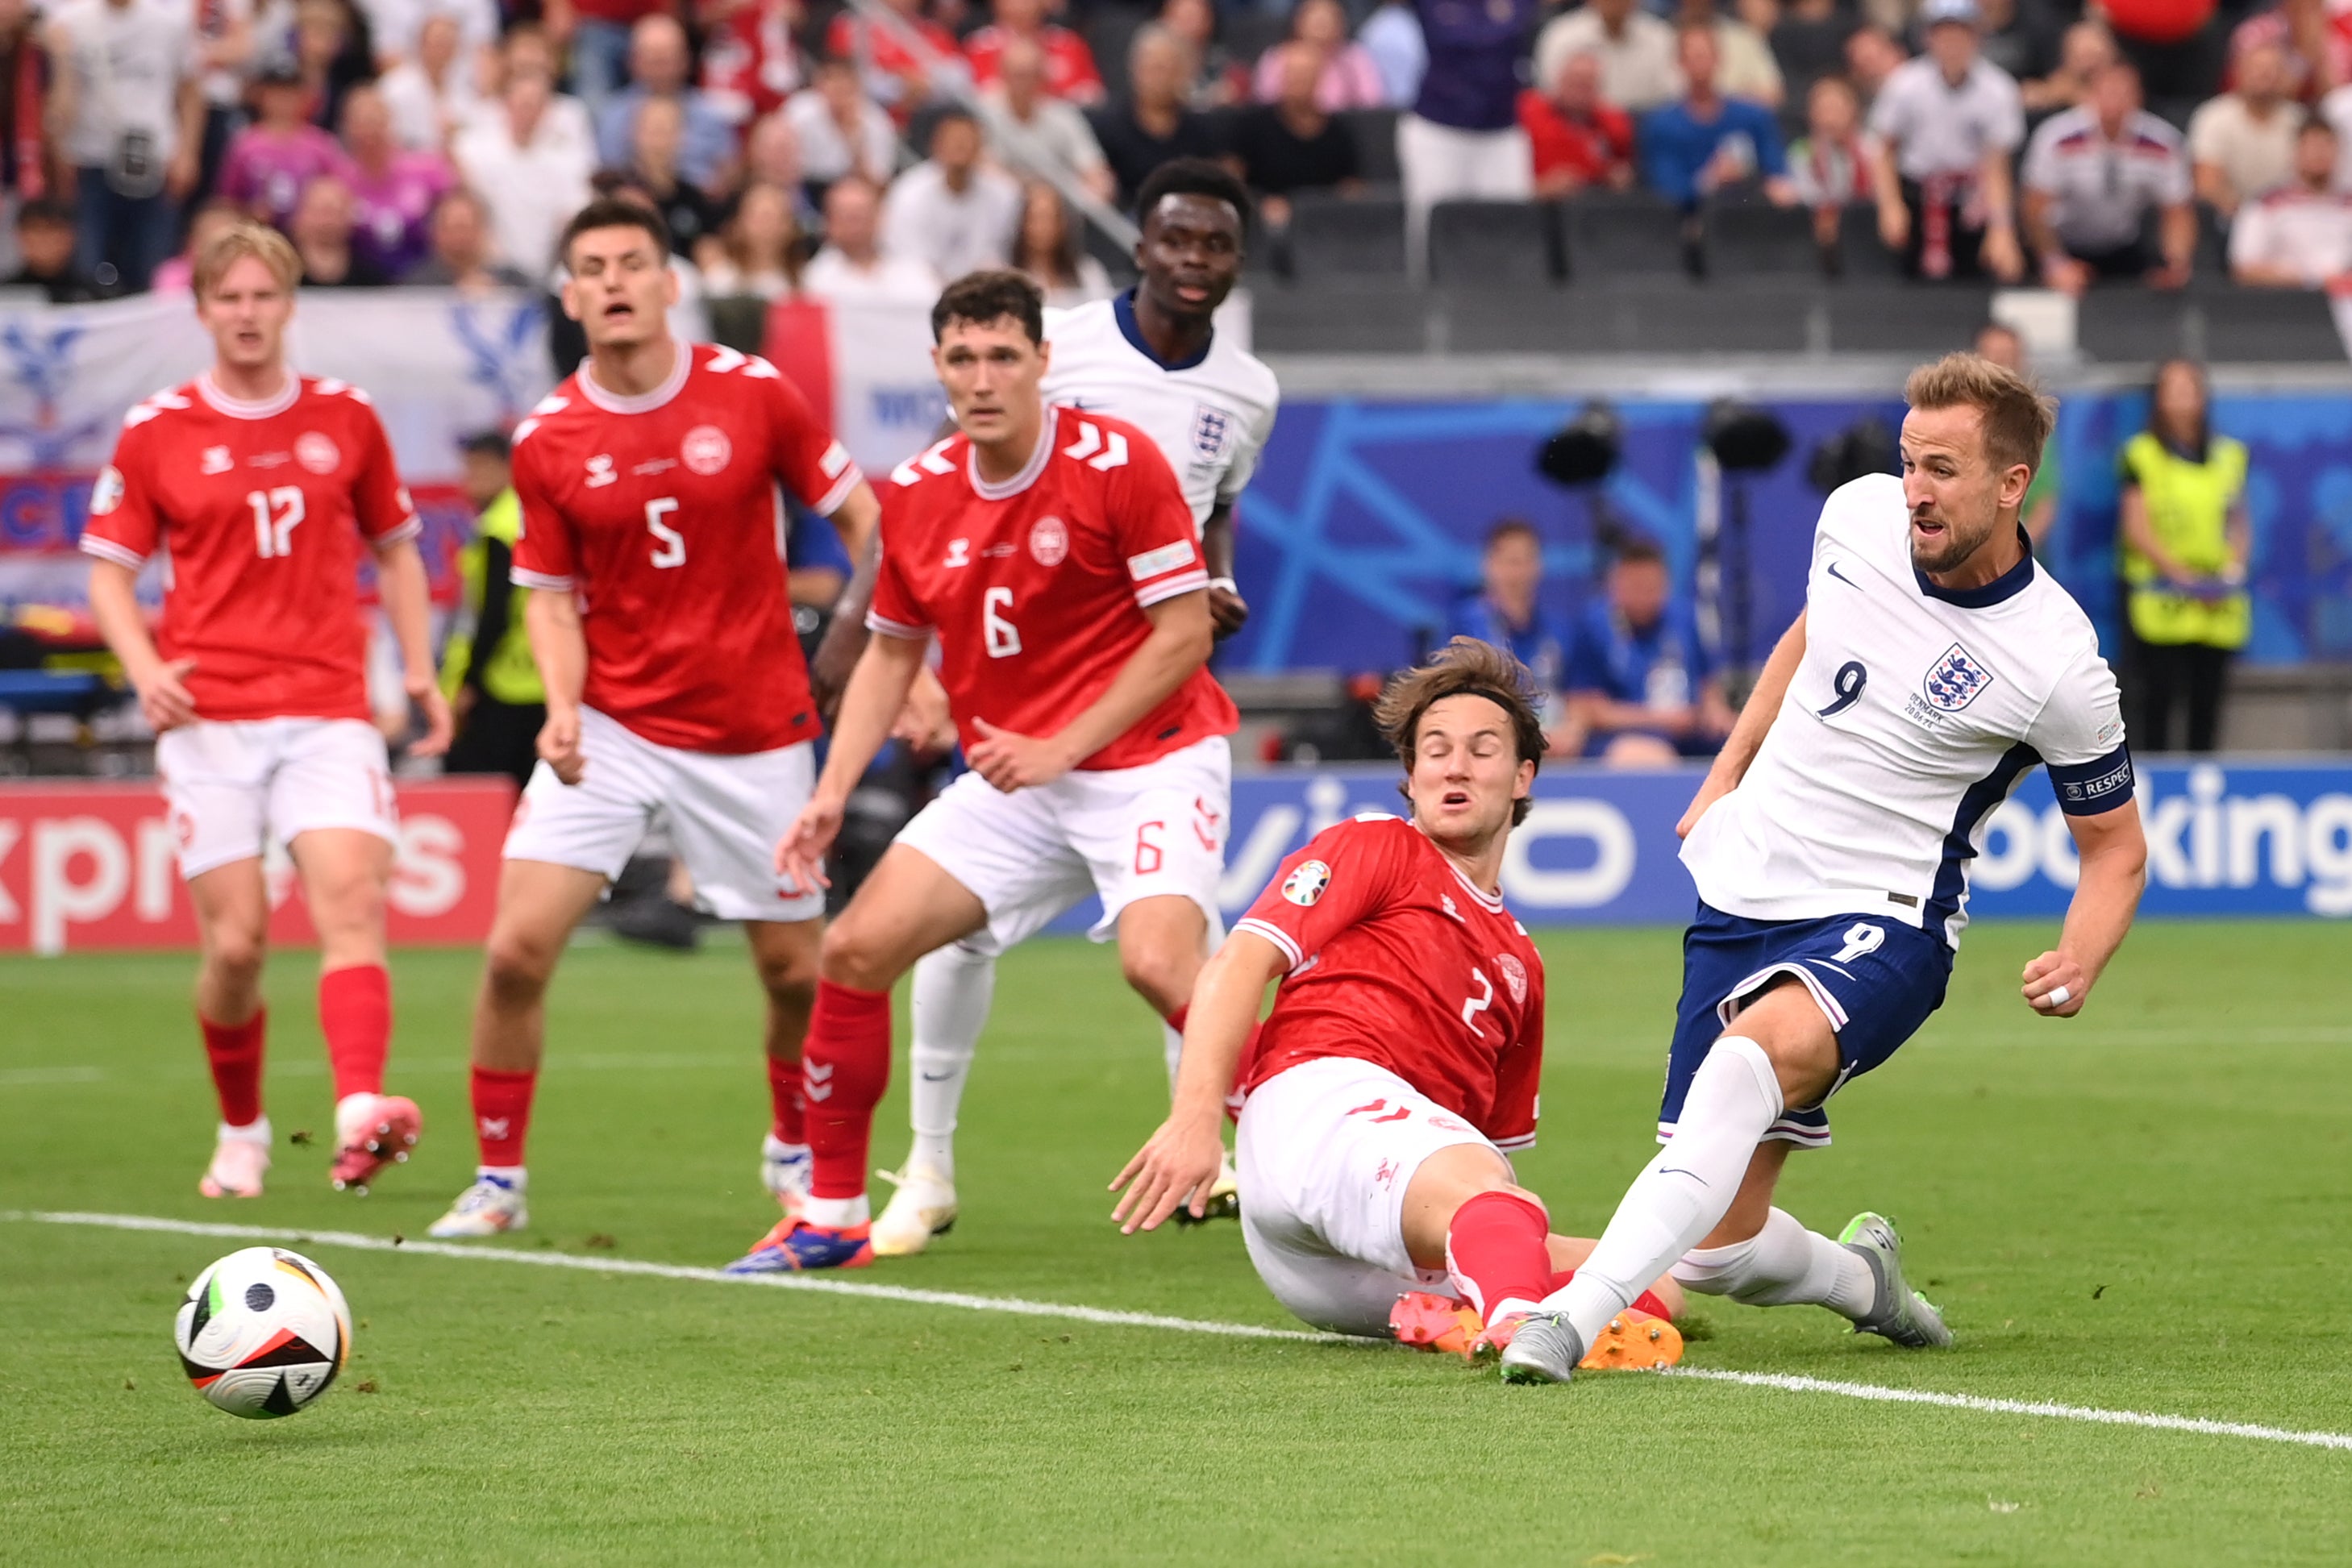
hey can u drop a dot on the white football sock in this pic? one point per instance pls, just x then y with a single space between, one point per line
515 1176
954 989
836 1213
1784 1264
1684 1193
254 1131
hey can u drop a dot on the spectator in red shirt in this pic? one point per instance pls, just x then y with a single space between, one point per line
894 76
1578 140
751 62
1070 72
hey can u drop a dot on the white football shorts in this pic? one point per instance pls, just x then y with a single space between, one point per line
1326 1150
235 786
723 815
1127 833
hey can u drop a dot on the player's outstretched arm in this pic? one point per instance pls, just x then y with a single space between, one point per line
1180 640
1746 736
551 619
408 604
2114 869
1179 1163
877 690
114 605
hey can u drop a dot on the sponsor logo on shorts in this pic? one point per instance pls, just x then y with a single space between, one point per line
1152 562
1514 977
317 452
1049 542
706 449
107 494
1306 884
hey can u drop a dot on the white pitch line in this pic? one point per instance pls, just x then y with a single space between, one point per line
826 1285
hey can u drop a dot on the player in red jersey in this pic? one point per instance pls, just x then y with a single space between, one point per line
259 486
1403 1058
1053 554
675 685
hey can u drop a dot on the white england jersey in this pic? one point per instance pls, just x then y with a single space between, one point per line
1914 712
1210 417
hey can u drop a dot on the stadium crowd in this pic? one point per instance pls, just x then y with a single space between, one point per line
873 151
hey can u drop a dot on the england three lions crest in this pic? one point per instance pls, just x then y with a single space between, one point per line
1957 680
1212 433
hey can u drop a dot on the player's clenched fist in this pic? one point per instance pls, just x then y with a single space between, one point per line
559 744
164 699
1010 761
2055 985
800 853
1179 1165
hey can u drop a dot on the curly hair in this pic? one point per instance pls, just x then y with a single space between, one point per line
1464 667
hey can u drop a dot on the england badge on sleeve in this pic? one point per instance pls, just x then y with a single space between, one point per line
1306 884
1957 680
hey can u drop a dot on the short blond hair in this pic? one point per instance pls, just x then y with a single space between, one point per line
243 238
2017 415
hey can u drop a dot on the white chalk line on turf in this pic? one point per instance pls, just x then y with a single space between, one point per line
1016 1306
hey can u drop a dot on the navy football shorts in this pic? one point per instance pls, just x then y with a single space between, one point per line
1875 979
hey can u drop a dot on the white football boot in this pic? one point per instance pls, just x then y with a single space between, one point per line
923 1207
240 1156
492 1206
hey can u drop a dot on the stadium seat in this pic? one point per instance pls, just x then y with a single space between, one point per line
1493 244
1372 316
1374 131
2212 243
1861 253
2265 326
1628 234
1881 316
1346 236
2127 323
1748 240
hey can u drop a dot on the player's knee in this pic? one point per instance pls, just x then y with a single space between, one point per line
790 980
1163 979
852 956
234 955
347 902
516 965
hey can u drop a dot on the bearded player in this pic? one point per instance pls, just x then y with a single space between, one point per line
259 485
1153 358
1051 554
1398 1069
1933 665
663 632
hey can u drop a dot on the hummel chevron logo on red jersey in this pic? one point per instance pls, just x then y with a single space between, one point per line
1112 453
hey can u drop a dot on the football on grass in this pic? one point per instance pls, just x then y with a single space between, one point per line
263 1332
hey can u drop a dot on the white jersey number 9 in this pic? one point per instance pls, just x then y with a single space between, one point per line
671 549
1003 637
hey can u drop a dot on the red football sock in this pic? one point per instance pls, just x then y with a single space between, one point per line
1495 1250
845 1068
234 1053
789 1123
1647 1302
502 1113
355 1015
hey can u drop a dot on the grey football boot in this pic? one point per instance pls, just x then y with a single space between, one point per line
1897 1312
1546 1349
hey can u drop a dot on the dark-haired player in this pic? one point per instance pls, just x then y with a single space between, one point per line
663 632
1052 555
1153 358
1401 1063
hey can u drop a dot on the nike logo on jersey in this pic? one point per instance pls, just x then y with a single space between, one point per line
1833 571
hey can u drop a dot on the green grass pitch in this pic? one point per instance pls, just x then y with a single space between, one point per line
2142 1211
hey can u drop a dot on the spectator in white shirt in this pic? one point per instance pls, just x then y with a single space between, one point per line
2299 236
431 95
951 212
531 179
1031 133
2243 143
396 27
2093 175
1945 124
853 269
842 130
1636 50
